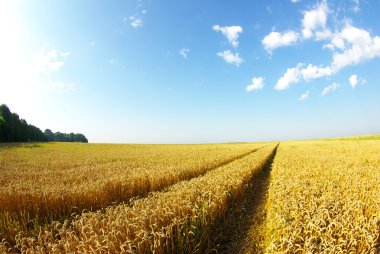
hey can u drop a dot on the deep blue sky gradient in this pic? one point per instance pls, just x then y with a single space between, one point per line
125 84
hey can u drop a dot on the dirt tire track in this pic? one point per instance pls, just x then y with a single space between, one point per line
246 216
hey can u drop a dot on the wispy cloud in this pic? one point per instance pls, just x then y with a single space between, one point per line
136 21
183 52
230 57
46 62
24 80
356 7
231 32
257 84
60 86
295 1
64 54
330 88
304 96
51 60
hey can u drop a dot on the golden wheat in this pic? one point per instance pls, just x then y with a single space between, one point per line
42 182
324 197
179 220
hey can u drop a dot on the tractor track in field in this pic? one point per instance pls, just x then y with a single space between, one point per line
188 177
247 215
206 170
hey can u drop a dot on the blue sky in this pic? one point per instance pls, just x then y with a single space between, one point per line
144 71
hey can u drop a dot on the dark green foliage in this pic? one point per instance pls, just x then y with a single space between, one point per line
49 135
14 129
65 137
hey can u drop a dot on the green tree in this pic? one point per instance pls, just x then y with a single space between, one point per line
15 129
49 135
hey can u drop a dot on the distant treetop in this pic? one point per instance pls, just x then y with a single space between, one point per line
14 129
65 137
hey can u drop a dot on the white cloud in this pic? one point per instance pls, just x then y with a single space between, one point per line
314 19
230 57
292 75
231 32
59 86
323 34
257 84
183 52
304 96
361 47
53 60
330 88
295 74
356 7
64 54
136 22
354 80
275 40
336 42
25 79
351 46
23 72
313 24
295 1
137 19
313 72
46 62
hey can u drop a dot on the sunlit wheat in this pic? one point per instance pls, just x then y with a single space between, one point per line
179 220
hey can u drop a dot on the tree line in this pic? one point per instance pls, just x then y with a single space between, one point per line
14 129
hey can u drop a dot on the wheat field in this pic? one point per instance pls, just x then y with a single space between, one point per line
323 197
318 196
47 181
